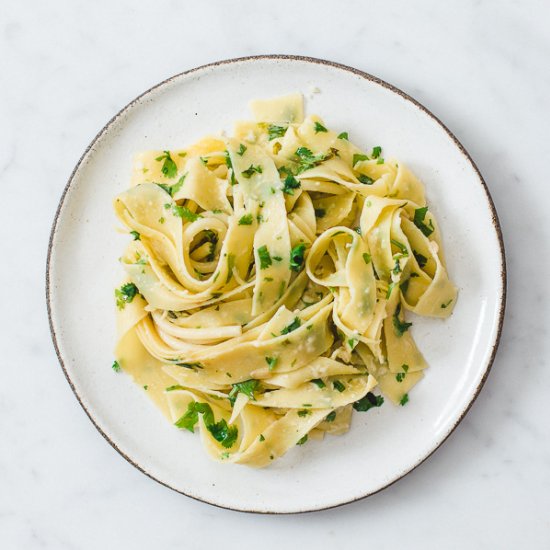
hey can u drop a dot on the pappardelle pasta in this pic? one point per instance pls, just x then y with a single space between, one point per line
268 277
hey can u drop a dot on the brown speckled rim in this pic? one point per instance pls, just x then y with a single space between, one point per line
252 59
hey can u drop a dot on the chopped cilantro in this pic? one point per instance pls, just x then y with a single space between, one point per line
261 438
125 294
376 152
297 257
247 219
320 212
242 149
146 387
184 213
339 386
380 161
307 159
367 257
271 362
352 342
175 387
248 387
204 160
116 366
419 216
302 440
400 246
404 400
343 135
169 167
358 158
274 131
190 365
223 433
296 323
399 326
303 412
319 383
368 402
422 260
391 286
330 417
319 128
365 179
251 170
136 235
290 184
265 258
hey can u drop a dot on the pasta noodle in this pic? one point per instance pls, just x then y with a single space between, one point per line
268 279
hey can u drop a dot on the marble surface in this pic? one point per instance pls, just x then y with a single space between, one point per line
68 66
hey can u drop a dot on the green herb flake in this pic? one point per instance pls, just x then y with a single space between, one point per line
251 170
192 366
264 257
136 235
271 362
319 383
247 219
303 412
302 440
248 387
368 402
358 158
419 217
343 135
445 306
274 132
421 260
169 168
242 149
330 417
376 152
320 212
290 183
404 400
116 366
339 386
319 127
125 294
391 286
380 161
184 213
261 438
297 257
367 258
307 159
296 323
175 387
363 178
399 325
400 246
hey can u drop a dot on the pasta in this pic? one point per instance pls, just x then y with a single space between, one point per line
267 282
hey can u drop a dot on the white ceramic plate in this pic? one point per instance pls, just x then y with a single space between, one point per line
383 444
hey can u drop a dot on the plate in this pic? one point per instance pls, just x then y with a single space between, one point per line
384 444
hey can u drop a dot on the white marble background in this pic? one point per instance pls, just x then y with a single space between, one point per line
67 66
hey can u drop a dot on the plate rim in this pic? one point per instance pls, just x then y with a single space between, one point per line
502 293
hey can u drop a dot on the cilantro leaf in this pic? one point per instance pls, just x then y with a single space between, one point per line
297 257
365 179
169 167
125 294
419 216
343 135
399 326
265 258
248 387
368 402
224 434
422 260
367 258
330 417
136 235
404 400
307 159
319 383
271 362
251 170
116 366
242 149
302 440
358 158
274 131
339 386
303 412
295 324
184 213
376 152
247 219
290 184
319 127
